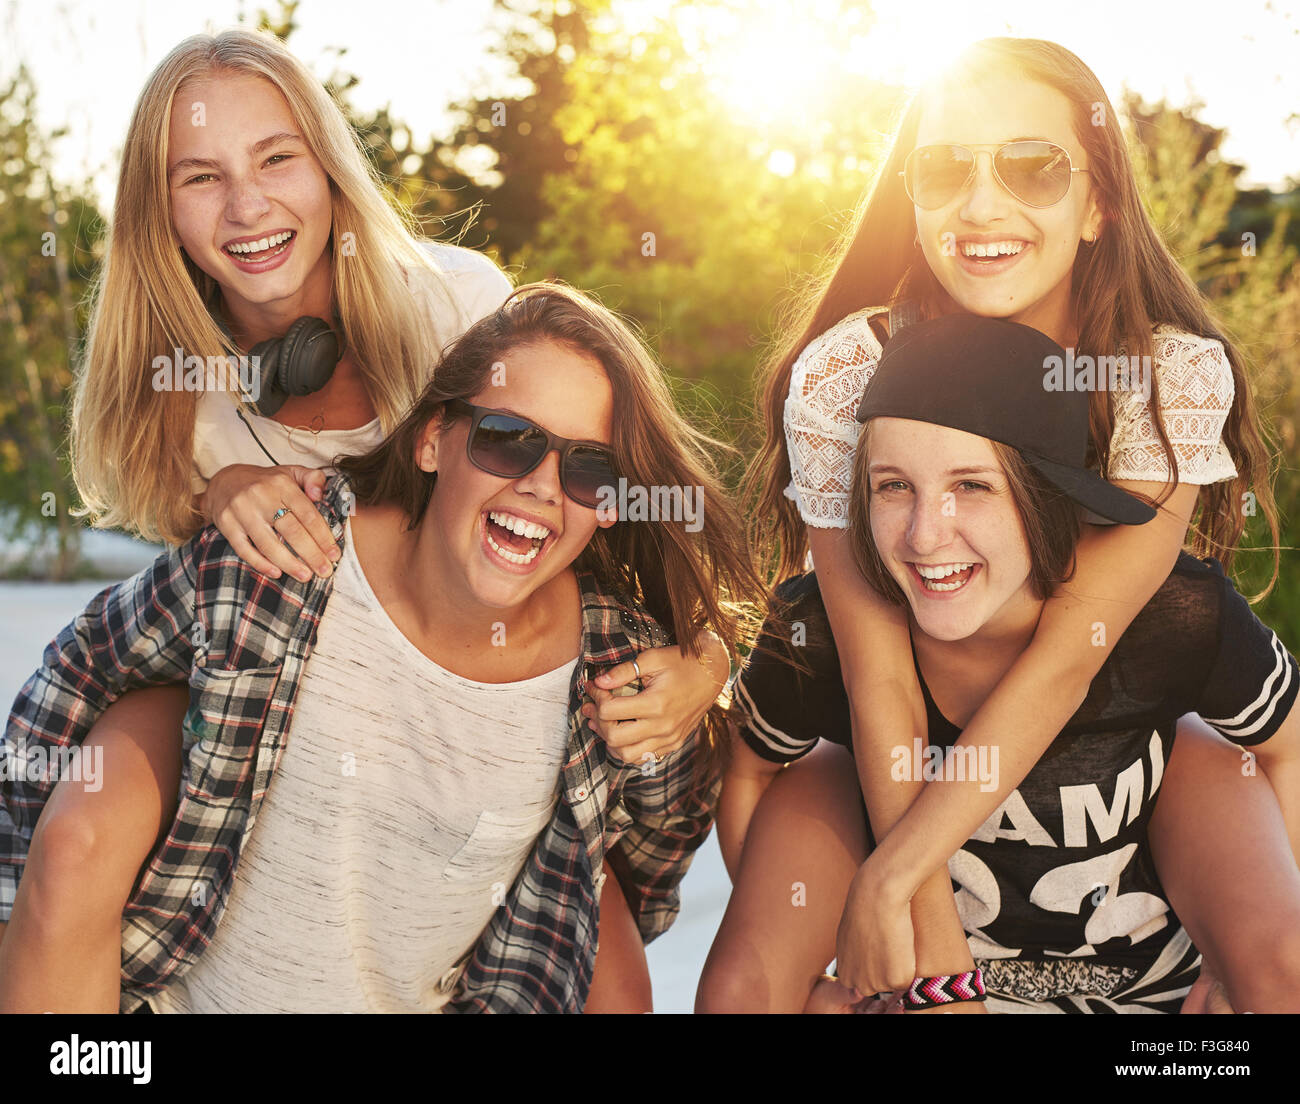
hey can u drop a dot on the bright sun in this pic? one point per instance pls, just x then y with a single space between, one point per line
783 61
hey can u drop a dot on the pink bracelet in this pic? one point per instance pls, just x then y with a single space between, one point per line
929 992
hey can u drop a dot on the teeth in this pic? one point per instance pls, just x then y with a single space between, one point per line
515 557
523 528
940 571
262 244
992 249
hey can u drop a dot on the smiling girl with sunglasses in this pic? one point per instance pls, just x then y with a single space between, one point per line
1008 193
390 792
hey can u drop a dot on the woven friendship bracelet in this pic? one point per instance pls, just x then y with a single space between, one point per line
929 992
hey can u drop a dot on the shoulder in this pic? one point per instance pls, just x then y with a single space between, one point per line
1183 617
615 622
1192 363
850 340
471 278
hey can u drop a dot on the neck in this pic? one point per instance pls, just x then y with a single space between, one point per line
411 573
254 322
1053 315
986 654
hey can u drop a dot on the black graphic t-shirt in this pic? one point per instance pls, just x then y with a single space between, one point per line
1062 868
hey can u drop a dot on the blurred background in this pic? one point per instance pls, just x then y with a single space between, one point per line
555 135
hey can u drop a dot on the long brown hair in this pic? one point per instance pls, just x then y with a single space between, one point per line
1123 286
131 446
1048 519
685 580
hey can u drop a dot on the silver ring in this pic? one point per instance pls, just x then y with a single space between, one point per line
278 515
636 667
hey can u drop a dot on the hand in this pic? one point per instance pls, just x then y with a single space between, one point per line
241 499
875 945
677 692
829 997
1207 996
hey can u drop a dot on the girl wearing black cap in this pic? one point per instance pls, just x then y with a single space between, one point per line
965 515
1008 193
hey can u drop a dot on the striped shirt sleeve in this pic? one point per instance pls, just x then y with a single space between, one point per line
1251 686
790 693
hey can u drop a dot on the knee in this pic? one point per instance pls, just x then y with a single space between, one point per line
733 983
65 869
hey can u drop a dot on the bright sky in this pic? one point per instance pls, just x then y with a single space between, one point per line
90 59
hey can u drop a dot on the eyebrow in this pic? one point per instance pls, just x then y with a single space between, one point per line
882 469
254 149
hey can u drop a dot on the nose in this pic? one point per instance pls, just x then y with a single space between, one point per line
986 200
543 482
246 203
930 527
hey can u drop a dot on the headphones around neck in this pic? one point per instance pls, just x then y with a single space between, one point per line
299 363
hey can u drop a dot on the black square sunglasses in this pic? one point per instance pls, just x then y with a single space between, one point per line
508 446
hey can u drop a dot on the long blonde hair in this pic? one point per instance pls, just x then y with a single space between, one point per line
131 445
1122 287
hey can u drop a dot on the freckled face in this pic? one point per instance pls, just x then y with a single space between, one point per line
946 526
477 517
1032 284
250 203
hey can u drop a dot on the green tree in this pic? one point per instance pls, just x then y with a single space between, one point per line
49 246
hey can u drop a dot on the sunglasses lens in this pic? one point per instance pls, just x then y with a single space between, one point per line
586 470
506 446
1037 173
935 174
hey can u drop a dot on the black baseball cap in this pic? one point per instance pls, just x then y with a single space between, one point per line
987 376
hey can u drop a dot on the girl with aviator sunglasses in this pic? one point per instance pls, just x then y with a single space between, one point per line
1008 193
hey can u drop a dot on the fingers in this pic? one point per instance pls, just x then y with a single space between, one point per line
311 480
620 675
298 542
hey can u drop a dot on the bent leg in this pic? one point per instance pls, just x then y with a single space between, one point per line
63 948
1221 849
804 845
620 981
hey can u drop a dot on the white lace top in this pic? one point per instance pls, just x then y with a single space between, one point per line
826 383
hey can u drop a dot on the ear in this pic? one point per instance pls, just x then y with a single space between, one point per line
606 516
428 442
1095 220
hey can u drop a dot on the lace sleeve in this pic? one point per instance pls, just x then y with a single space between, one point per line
821 432
1196 393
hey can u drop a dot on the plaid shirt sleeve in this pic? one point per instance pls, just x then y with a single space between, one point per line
666 813
134 634
660 812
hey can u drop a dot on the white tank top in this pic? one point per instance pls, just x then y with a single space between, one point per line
406 802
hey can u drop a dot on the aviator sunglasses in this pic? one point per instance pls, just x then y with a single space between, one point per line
1037 173
506 445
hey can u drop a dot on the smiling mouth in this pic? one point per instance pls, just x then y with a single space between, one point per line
943 578
515 539
262 249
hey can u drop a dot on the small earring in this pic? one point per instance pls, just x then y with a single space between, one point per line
1090 239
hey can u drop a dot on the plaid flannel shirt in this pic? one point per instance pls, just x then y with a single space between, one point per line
241 640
